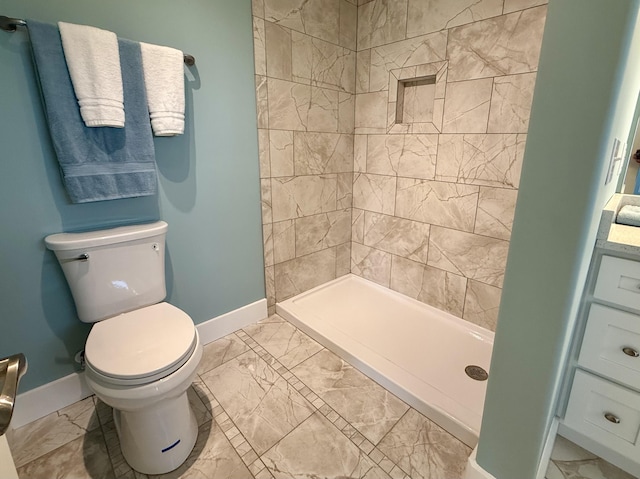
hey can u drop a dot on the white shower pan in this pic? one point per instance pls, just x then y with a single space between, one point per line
414 350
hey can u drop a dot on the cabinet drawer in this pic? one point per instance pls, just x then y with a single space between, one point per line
619 282
610 344
592 399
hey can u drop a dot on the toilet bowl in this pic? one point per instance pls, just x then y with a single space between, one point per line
142 354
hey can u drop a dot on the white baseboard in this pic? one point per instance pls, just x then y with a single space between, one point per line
474 470
548 449
224 324
63 392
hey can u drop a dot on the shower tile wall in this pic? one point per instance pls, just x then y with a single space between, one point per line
424 208
305 80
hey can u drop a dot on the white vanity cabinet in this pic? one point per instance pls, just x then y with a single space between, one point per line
603 408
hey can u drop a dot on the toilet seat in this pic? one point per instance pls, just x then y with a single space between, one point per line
140 346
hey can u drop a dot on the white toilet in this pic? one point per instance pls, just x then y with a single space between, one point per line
142 354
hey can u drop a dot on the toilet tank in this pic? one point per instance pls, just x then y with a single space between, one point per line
112 271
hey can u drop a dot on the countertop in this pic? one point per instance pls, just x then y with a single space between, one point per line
614 237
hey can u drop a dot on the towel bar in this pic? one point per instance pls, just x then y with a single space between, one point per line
12 368
11 25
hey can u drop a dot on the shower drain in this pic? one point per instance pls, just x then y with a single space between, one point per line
476 372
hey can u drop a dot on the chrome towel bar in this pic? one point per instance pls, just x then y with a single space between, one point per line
11 370
11 25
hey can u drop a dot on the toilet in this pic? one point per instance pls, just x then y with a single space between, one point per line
142 354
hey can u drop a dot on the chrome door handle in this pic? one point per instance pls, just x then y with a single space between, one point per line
12 368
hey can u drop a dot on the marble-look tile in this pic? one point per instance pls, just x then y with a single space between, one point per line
368 407
360 153
284 241
363 65
434 202
421 50
299 196
497 46
402 155
511 103
320 153
496 209
257 399
371 110
278 48
406 238
318 18
265 201
473 256
466 106
344 195
514 5
267 242
322 63
357 225
270 286
52 431
374 193
429 16
281 152
200 410
589 469
381 22
293 106
343 259
283 341
317 448
317 232
489 160
305 272
346 112
371 264
417 102
443 290
348 24
406 276
423 449
82 458
263 153
220 351
262 101
259 55
257 8
481 304
212 456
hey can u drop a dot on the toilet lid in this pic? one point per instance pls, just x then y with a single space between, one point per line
141 343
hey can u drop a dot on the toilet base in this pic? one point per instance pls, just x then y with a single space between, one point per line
157 439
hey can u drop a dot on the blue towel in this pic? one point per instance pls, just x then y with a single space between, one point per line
629 215
97 163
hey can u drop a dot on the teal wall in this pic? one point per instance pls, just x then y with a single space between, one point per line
208 178
587 86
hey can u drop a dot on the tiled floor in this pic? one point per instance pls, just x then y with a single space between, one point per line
569 461
270 403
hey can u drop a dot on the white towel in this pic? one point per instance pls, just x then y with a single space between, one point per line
164 80
93 60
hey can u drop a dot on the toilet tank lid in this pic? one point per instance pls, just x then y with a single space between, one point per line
89 239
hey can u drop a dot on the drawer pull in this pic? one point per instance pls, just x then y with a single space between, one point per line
630 352
612 418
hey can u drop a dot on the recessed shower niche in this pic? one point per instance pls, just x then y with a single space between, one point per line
416 98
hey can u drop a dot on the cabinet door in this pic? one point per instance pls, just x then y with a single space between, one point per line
619 282
611 345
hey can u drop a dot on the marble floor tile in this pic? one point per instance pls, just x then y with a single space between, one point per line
282 340
317 448
213 457
423 449
221 351
83 457
257 399
368 407
52 431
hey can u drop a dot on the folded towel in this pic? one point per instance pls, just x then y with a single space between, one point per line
164 78
97 163
94 65
629 215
